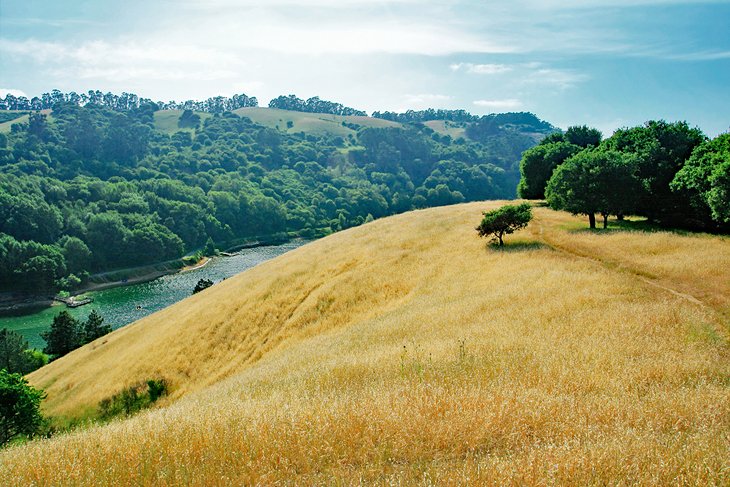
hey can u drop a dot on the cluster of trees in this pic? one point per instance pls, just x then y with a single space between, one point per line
90 189
415 116
67 333
668 172
123 102
313 105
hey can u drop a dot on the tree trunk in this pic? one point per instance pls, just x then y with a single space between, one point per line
605 221
592 220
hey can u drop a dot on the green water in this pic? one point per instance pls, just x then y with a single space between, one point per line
119 305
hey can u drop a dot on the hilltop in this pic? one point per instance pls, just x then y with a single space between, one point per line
408 350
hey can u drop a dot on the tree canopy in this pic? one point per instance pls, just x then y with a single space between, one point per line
15 356
707 175
20 413
661 150
594 181
96 185
537 166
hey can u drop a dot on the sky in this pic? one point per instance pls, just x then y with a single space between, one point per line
607 64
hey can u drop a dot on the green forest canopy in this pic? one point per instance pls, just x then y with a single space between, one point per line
90 188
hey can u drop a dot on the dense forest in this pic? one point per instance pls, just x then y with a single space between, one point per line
96 186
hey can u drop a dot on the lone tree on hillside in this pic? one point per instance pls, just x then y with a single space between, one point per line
503 221
20 413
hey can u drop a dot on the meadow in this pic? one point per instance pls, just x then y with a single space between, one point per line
407 350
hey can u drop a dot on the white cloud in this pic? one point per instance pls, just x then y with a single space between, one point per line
125 60
559 78
481 68
505 104
700 56
424 100
268 32
10 91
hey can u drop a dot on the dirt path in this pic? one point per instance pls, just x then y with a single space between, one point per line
613 265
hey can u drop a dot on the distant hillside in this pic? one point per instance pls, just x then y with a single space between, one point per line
118 183
318 124
408 349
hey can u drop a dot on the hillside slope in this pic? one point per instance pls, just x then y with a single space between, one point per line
406 349
311 123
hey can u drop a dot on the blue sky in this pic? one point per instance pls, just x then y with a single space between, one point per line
603 63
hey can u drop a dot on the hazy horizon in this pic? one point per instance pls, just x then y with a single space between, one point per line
604 64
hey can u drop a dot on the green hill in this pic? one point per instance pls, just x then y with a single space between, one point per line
312 123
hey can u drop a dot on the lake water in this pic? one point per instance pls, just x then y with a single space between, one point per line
118 305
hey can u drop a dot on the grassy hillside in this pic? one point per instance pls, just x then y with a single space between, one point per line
310 123
10 117
166 120
408 350
445 127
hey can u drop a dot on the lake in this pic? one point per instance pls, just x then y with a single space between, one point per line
119 305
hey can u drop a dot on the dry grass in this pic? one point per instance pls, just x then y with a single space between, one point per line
310 123
406 351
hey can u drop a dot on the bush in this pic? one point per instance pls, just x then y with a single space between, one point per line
132 399
20 403
503 221
202 284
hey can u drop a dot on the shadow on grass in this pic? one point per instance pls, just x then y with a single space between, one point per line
516 246
638 226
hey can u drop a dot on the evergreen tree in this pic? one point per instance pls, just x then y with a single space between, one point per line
65 335
13 356
94 327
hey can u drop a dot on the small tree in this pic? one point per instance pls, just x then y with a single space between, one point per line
94 327
209 247
504 221
20 413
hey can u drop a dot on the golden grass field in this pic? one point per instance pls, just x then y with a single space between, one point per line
407 351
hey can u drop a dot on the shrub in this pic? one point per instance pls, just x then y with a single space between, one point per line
20 404
132 399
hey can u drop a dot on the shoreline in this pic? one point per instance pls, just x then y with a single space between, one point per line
19 304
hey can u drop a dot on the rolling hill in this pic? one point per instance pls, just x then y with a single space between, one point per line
317 124
311 123
407 350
